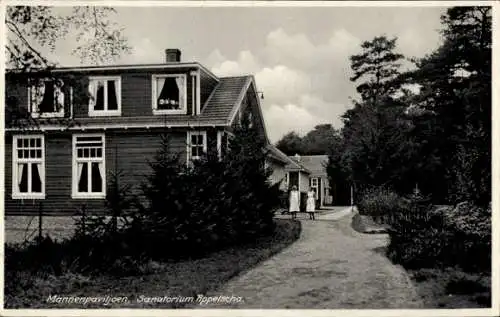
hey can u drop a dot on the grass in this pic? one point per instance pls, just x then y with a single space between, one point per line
185 278
452 288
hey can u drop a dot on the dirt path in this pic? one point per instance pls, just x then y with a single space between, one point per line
331 267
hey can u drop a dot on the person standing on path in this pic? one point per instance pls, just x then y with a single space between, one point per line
311 203
294 202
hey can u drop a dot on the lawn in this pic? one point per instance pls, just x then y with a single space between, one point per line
452 288
183 279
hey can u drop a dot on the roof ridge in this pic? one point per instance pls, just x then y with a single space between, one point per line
235 76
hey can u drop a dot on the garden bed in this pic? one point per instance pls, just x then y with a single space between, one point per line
187 278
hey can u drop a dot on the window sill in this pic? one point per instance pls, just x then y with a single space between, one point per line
28 196
167 112
47 115
89 196
105 113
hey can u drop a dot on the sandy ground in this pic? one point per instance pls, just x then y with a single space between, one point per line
330 267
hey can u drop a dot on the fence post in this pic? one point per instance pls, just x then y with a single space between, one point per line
40 216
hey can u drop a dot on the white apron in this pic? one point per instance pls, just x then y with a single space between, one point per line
294 201
311 202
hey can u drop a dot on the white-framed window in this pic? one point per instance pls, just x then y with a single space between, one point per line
89 166
105 96
46 98
28 167
314 185
169 94
196 145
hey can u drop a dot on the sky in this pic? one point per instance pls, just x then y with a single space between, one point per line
298 55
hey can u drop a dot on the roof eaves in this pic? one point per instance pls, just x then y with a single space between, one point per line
259 107
209 72
299 167
237 104
114 67
277 154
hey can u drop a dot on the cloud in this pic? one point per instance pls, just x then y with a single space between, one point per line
301 117
282 84
412 43
280 119
215 58
245 64
143 52
304 82
298 50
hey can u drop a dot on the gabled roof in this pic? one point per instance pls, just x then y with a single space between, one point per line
314 163
225 98
276 154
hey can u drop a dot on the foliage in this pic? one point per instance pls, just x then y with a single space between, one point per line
27 289
423 236
377 65
441 238
377 148
31 29
206 206
455 83
291 144
437 134
188 211
381 204
34 32
316 142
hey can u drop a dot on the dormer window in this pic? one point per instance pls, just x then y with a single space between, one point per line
46 98
105 96
169 94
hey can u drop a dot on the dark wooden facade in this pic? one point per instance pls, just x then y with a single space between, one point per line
136 89
125 150
127 147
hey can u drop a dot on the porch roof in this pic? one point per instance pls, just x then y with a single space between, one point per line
314 163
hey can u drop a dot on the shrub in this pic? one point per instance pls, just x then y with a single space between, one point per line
212 204
382 205
463 285
181 212
443 237
471 226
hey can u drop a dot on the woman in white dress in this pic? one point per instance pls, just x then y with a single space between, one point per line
311 203
294 202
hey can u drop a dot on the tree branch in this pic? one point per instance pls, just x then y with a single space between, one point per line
13 27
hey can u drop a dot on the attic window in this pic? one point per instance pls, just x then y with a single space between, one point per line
105 95
169 94
46 98
250 119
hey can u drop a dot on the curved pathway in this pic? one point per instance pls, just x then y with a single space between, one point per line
331 266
